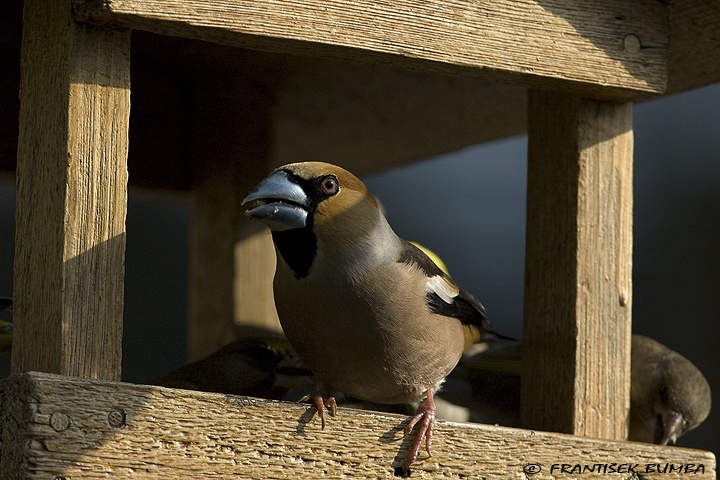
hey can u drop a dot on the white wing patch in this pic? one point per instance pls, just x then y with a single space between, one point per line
441 287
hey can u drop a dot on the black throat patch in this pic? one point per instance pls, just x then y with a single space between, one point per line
298 248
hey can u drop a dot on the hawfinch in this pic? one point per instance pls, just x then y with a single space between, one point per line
262 366
368 312
669 395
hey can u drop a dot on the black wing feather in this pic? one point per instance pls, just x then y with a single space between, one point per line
464 307
412 255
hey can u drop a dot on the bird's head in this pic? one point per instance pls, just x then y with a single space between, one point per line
305 194
305 202
683 400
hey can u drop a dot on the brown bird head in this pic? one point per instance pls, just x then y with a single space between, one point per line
683 399
669 397
312 205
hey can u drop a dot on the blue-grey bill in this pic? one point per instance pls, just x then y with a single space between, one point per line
279 216
278 186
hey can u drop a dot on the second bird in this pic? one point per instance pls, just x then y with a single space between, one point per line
369 313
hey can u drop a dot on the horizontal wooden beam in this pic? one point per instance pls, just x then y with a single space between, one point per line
54 426
694 54
601 48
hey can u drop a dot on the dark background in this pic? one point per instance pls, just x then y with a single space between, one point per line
469 207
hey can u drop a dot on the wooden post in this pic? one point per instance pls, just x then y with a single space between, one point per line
71 194
231 262
576 352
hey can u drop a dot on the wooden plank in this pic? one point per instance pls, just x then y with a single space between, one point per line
603 48
694 54
75 428
370 117
71 195
230 154
577 328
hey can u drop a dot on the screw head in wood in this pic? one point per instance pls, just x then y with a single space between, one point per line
631 43
59 421
116 417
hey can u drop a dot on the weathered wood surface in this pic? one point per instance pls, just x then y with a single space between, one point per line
230 153
370 116
345 103
578 290
55 426
607 48
71 195
694 53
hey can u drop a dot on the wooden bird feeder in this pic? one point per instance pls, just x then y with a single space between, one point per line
222 90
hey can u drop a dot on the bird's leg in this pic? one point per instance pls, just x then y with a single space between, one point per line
425 414
321 404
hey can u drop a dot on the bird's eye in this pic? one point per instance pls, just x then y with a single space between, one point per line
329 185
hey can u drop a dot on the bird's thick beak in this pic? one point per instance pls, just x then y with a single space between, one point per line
669 426
278 202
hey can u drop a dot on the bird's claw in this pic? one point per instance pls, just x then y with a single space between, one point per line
425 416
321 404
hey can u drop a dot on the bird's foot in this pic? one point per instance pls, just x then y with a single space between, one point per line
425 416
322 405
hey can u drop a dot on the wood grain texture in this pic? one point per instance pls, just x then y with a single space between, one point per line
560 43
230 154
345 103
694 54
369 116
83 429
71 195
577 328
